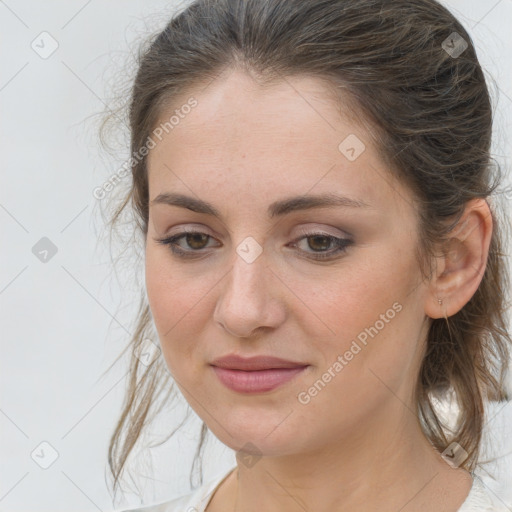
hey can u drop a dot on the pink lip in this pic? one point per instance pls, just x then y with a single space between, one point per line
256 381
236 362
255 374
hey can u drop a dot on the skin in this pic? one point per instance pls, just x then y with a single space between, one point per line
357 445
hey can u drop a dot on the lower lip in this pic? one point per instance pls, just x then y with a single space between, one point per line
257 381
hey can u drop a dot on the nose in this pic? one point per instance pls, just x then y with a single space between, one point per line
249 299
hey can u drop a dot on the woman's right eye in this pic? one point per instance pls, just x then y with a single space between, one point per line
192 238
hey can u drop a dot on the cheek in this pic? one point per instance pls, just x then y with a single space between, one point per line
370 359
366 314
175 302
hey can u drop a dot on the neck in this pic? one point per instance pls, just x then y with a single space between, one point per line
389 465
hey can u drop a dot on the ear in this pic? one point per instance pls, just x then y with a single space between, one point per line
460 269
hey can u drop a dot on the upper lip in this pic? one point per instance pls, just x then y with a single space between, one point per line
236 362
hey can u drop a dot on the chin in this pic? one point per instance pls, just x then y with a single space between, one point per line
257 436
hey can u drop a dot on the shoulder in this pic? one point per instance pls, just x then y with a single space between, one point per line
195 501
480 499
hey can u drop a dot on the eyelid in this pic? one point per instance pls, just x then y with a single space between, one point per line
189 229
313 229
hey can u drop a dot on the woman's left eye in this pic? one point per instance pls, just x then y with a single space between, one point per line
320 243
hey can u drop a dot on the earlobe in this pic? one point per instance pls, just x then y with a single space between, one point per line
463 263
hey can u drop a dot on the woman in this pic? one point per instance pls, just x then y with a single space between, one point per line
323 259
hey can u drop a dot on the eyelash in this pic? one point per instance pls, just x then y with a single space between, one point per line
341 245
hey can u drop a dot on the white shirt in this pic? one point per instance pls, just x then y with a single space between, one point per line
479 499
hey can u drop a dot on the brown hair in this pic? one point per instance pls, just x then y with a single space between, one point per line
431 119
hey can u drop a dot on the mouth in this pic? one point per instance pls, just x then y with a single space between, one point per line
254 363
256 381
256 374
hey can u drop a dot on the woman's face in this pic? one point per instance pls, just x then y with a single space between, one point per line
249 284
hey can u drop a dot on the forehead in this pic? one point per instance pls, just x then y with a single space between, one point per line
284 136
235 106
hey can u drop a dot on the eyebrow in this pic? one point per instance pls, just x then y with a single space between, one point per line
277 208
